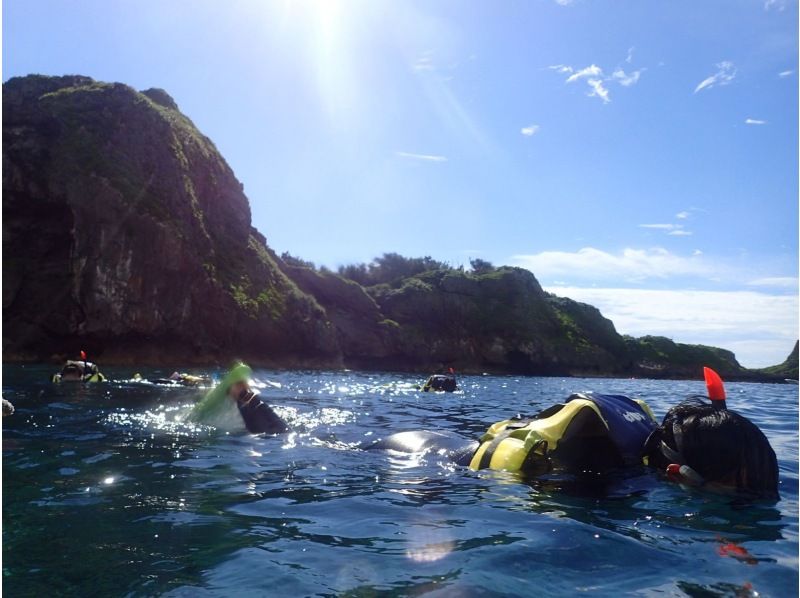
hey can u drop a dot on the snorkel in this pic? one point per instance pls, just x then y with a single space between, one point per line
678 468
215 400
716 390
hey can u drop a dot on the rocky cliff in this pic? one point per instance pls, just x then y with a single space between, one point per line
788 369
126 233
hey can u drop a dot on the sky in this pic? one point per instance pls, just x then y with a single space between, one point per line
638 155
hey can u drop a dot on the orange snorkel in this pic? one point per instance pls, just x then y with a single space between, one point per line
716 389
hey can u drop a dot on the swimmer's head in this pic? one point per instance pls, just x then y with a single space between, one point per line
723 450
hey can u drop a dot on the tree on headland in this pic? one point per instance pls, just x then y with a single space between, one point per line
480 266
292 260
389 268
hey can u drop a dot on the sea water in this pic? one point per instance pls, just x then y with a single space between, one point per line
107 491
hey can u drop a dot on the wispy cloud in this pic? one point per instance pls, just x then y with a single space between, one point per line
753 121
778 5
422 64
760 328
789 282
598 90
784 74
631 265
596 79
626 79
421 157
659 226
529 131
590 71
675 230
723 76
565 2
682 215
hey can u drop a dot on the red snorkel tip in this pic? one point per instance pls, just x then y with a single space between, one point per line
716 389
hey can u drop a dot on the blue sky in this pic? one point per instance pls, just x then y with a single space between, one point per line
639 155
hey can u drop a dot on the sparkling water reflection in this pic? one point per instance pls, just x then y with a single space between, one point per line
108 491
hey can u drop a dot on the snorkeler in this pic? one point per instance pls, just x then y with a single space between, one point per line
79 371
8 408
707 445
234 390
698 443
441 382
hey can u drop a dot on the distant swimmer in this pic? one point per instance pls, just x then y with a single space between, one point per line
441 382
234 394
178 379
8 408
79 371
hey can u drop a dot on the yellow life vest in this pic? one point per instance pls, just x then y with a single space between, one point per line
586 427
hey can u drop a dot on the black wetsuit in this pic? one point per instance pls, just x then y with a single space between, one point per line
259 417
447 444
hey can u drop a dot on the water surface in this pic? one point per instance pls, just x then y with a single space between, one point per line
107 492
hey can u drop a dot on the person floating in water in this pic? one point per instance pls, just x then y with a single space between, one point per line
177 378
445 382
188 379
232 395
697 443
79 371
710 446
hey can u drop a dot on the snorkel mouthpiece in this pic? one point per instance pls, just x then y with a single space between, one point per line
686 473
716 389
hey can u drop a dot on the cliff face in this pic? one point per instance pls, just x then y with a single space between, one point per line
787 369
126 233
124 230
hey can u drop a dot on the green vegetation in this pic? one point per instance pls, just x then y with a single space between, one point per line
390 268
788 369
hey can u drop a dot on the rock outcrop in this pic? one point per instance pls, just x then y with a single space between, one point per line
788 369
125 232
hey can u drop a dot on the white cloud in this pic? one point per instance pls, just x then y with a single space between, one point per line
660 226
676 230
564 2
626 80
789 282
530 130
596 79
632 265
725 74
421 157
753 121
422 64
784 74
778 5
561 68
760 328
682 215
598 90
590 71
